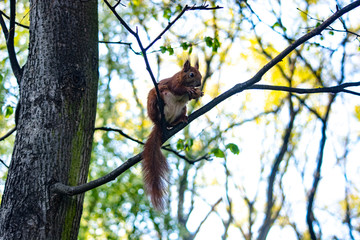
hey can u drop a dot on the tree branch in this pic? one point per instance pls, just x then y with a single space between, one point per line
310 218
63 189
17 23
334 89
186 8
8 134
2 161
269 218
9 35
206 217
72 190
120 132
257 77
317 175
190 161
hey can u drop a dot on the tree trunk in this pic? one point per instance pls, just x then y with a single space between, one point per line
57 107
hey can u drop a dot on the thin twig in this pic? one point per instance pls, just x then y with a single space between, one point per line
334 89
2 161
167 148
17 23
186 8
206 217
115 42
120 132
8 134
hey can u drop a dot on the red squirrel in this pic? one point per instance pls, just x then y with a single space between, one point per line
175 92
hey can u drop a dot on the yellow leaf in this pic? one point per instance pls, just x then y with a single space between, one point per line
357 112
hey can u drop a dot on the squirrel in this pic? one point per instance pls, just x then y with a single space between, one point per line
175 92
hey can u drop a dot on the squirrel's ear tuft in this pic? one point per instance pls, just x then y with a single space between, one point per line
197 64
186 66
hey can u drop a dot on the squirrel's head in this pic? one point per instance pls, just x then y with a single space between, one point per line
191 76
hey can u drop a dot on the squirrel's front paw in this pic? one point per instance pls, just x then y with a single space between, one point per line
195 93
201 93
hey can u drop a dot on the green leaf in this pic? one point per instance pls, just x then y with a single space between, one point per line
167 13
188 144
277 24
8 111
216 45
163 49
208 41
184 46
180 144
218 153
179 8
170 50
233 148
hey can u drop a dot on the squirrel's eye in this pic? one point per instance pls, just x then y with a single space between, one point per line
192 74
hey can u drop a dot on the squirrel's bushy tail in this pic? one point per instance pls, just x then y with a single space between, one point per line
155 169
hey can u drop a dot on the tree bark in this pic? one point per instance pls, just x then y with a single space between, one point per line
56 115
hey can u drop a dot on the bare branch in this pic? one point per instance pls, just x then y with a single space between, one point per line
120 132
9 37
191 161
186 8
331 28
206 217
334 89
347 219
128 44
310 218
2 161
19 24
269 218
8 134
117 4
63 189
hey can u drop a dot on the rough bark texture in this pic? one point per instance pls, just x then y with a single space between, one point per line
58 93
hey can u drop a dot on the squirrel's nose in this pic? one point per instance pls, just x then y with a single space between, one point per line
198 83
